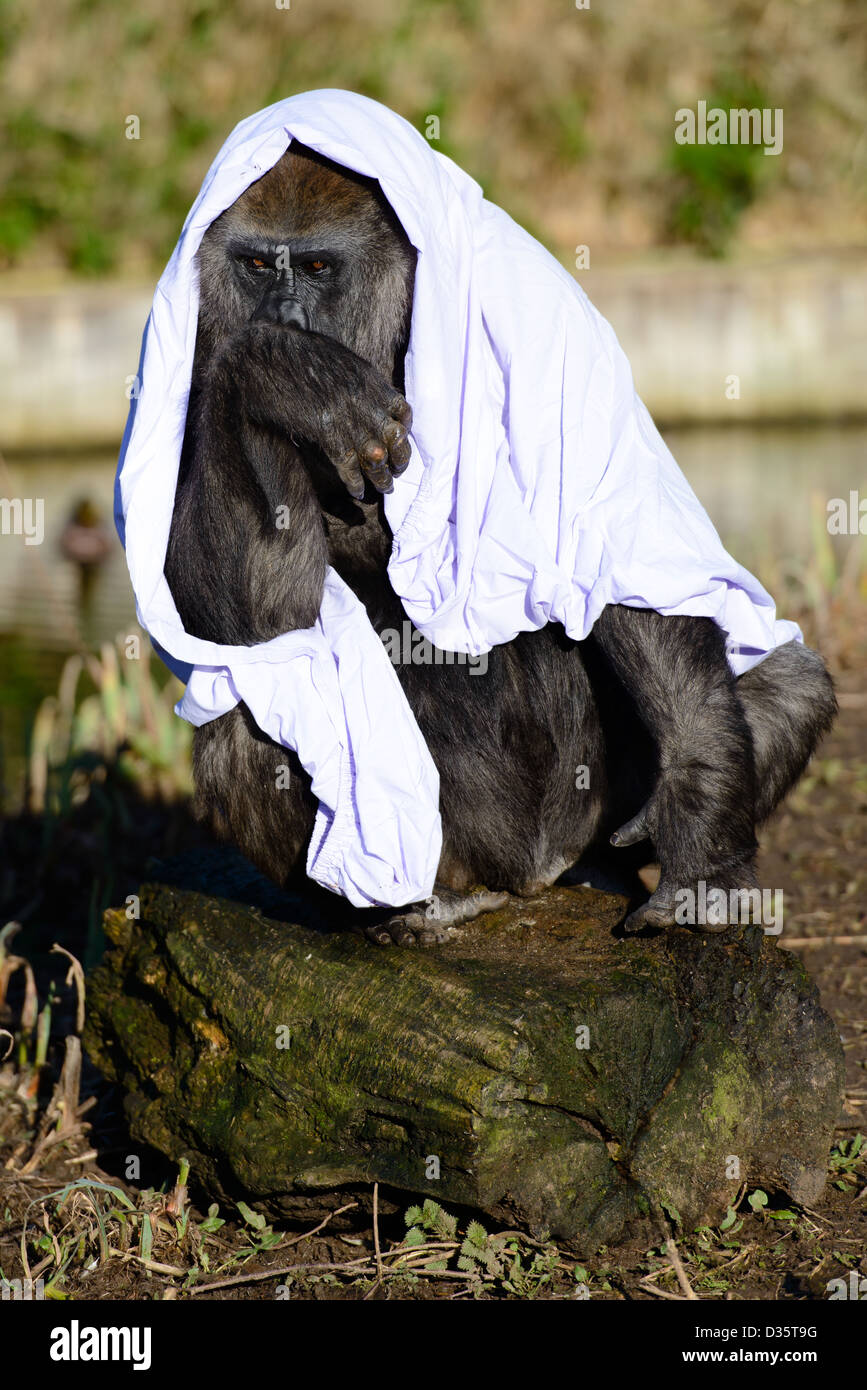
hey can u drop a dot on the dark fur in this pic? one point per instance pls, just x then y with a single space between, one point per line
295 398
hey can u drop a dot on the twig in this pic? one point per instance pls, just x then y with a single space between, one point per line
268 1273
655 1273
256 1275
376 1229
660 1293
357 1268
429 1248
679 1270
153 1265
378 1282
305 1235
671 1251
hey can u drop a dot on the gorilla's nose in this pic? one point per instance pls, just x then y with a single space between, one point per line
282 308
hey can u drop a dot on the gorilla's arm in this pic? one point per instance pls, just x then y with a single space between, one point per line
246 520
313 388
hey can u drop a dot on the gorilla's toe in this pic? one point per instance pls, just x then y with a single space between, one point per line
658 911
404 929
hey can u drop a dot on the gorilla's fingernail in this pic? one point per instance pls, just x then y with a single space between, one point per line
615 838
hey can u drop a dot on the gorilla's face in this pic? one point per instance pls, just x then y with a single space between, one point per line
317 248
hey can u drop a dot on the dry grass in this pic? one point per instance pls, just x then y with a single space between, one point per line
566 116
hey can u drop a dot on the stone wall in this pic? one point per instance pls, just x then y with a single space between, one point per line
793 332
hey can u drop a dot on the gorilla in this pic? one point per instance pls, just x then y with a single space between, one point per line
306 287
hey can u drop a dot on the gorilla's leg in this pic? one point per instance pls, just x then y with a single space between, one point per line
702 813
269 817
789 703
508 742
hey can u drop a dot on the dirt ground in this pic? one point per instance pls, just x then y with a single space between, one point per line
69 1211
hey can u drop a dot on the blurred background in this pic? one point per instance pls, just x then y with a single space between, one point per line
736 281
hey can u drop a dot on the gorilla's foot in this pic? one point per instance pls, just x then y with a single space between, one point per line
724 898
429 923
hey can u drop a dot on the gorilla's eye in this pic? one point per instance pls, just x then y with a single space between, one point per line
314 267
256 264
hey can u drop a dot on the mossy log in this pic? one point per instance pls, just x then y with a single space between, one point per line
537 1068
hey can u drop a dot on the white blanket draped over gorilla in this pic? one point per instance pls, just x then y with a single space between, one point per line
539 490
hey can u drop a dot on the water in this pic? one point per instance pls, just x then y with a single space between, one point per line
764 488
48 608
758 485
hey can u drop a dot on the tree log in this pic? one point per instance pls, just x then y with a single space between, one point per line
537 1067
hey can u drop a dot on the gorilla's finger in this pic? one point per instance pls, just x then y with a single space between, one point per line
403 929
374 463
399 447
400 457
393 433
381 478
379 934
432 934
350 474
402 411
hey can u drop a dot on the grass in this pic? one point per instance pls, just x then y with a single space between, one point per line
567 116
127 721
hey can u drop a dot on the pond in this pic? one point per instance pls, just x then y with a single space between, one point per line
764 489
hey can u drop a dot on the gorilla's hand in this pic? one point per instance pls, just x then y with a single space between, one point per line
316 390
365 430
